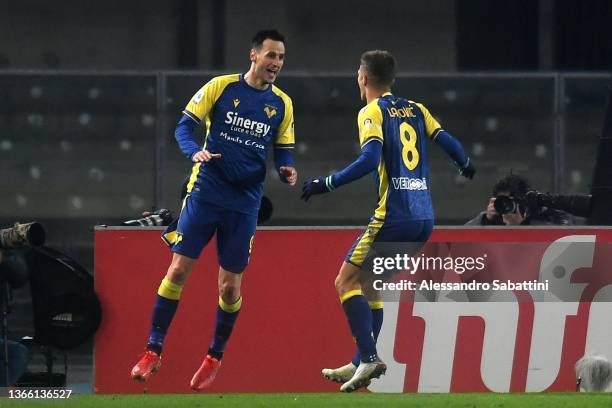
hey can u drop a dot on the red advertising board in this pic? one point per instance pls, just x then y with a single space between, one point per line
291 323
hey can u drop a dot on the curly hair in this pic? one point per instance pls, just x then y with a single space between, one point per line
517 186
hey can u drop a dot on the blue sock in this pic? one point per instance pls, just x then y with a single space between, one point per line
359 317
226 318
168 296
376 308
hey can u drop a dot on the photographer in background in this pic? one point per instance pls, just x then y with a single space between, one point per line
14 356
515 203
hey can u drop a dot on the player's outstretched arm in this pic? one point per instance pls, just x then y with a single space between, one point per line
283 162
455 150
365 164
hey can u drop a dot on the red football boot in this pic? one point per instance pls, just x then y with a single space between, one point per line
149 363
206 374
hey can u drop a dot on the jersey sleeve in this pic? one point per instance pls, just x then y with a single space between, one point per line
285 137
432 127
369 122
202 102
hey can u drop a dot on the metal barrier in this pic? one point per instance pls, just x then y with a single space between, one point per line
100 144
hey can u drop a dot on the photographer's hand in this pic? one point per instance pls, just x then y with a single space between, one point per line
491 213
515 218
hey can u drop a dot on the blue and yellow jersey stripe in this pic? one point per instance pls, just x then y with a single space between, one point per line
370 122
285 138
199 107
202 102
432 127
364 242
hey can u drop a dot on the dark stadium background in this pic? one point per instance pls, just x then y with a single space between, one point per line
90 93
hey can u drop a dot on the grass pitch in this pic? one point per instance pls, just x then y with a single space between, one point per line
557 400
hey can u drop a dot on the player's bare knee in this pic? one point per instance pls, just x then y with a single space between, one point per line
179 270
345 283
229 291
338 283
177 274
229 285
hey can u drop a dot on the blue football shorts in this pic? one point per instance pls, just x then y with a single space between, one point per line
379 231
198 222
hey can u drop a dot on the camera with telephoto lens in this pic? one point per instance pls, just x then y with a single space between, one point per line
579 205
506 204
155 219
22 235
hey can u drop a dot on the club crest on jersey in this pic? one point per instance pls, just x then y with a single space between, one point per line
270 111
236 102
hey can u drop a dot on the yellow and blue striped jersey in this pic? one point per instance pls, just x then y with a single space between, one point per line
241 122
402 176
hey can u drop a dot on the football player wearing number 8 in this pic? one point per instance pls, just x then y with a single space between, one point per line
393 134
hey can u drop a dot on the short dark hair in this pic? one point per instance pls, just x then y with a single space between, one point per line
380 67
264 35
517 186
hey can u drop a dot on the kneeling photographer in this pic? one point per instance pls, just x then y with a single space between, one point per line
515 203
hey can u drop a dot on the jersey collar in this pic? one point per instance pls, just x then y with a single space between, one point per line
269 88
